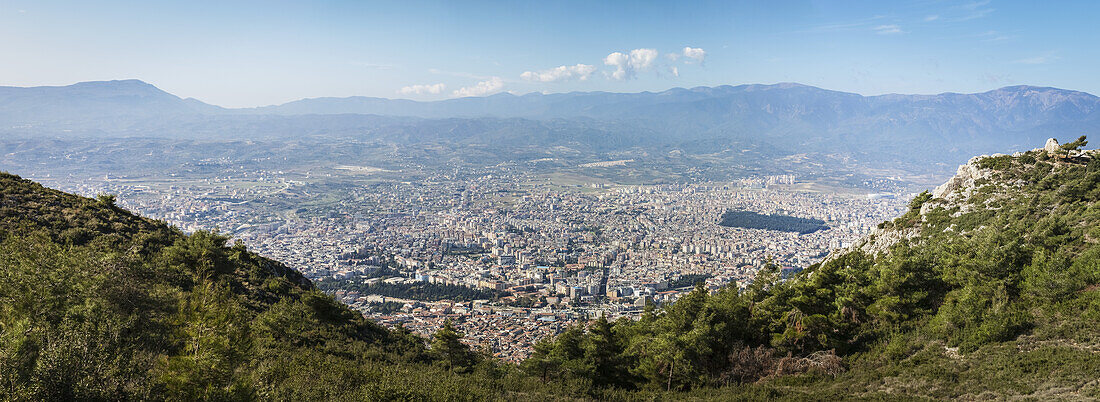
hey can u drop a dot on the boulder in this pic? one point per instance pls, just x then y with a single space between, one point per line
1052 146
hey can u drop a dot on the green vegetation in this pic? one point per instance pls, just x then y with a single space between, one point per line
99 304
753 220
386 307
1077 144
1002 299
911 217
688 280
417 291
994 296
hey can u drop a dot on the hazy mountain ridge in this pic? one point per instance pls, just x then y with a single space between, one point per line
87 102
944 128
1008 105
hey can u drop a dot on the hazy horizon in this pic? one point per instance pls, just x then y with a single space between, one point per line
248 54
564 200
655 91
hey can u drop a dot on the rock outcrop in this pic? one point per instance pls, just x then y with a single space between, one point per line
955 192
1052 146
964 179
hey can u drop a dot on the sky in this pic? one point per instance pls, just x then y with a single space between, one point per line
255 53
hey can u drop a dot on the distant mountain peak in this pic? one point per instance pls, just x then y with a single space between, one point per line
129 81
1023 88
130 84
786 85
97 103
1031 89
787 115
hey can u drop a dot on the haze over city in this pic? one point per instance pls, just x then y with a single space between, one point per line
569 200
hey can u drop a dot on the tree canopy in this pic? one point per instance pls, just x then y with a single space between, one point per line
994 293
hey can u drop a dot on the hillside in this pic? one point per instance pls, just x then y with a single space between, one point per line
987 288
99 304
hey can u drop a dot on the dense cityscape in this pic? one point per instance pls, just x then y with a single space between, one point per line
508 257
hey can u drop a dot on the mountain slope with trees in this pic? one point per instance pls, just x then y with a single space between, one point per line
988 289
99 304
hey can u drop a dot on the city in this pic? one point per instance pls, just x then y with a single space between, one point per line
544 255
549 201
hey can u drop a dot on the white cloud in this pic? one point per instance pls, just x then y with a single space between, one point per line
695 53
888 29
641 59
627 65
422 89
975 10
492 85
993 36
931 18
844 26
560 73
620 62
675 71
1044 59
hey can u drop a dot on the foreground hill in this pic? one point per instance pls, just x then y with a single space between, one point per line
99 304
987 288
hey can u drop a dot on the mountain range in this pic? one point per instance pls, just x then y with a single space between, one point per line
794 118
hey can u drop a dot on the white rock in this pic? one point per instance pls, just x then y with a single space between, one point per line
964 177
1052 146
953 193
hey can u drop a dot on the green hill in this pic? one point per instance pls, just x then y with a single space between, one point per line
99 304
988 287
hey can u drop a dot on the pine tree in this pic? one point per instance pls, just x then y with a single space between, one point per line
446 343
602 351
1075 145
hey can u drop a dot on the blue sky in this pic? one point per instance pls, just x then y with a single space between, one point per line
252 53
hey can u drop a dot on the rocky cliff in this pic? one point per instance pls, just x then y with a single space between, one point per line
976 177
